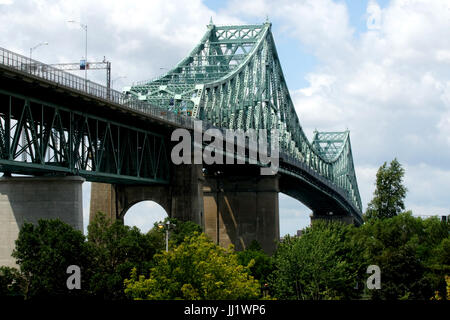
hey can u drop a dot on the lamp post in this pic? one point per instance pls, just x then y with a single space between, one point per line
34 48
168 225
85 28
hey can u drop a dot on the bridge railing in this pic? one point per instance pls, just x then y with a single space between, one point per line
66 79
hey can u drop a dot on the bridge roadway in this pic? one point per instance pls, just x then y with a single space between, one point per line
25 85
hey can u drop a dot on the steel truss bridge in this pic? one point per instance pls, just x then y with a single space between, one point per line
53 122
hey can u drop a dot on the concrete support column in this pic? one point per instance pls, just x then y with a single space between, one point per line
103 198
241 209
182 199
186 193
28 199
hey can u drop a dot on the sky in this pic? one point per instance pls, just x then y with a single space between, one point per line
378 68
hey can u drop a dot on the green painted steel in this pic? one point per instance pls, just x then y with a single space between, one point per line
38 137
233 79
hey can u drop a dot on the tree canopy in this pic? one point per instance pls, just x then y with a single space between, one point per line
389 194
44 251
196 269
321 264
411 252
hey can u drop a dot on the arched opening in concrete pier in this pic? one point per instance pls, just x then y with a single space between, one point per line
144 214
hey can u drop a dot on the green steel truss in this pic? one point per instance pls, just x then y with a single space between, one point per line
37 137
233 79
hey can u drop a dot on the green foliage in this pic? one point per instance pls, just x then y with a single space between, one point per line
410 253
115 249
178 230
321 264
261 265
12 282
183 230
44 252
196 269
326 262
389 192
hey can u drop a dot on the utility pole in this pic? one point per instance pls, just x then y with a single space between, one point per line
166 227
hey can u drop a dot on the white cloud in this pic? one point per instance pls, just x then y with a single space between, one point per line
138 37
373 15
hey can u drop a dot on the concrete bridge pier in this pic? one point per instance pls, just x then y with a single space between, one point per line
182 199
28 199
240 209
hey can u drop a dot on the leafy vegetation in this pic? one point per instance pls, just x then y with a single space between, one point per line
328 261
197 269
114 250
260 264
411 254
388 200
12 282
321 264
44 252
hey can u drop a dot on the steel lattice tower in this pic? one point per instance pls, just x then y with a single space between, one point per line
233 79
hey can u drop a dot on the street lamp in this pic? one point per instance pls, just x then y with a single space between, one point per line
168 225
36 46
85 28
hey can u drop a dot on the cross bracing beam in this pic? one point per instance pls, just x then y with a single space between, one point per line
250 91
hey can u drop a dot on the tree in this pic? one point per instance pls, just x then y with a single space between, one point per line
389 192
321 264
115 250
44 252
411 254
196 269
181 230
12 282
261 265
